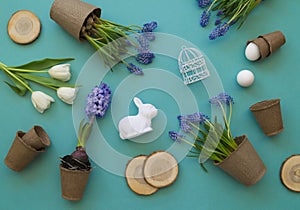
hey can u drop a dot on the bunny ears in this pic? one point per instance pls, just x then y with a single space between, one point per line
138 102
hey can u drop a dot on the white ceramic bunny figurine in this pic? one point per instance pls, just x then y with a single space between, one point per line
133 126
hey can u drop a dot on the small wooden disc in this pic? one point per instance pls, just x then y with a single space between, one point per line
135 177
24 27
290 173
160 169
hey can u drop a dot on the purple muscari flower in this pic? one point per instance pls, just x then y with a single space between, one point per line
221 98
145 57
219 13
149 36
203 3
184 125
218 21
184 121
224 28
147 30
98 101
175 136
220 30
205 18
197 117
149 27
134 69
143 43
215 33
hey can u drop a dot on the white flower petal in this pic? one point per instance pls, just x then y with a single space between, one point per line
67 94
41 101
60 72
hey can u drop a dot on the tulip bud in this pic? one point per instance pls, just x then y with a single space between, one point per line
60 72
41 101
67 94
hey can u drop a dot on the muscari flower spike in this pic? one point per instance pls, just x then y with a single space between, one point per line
221 98
224 28
218 22
145 58
175 136
197 117
204 3
98 101
219 31
143 43
205 18
185 126
150 36
219 13
149 27
135 69
185 120
147 30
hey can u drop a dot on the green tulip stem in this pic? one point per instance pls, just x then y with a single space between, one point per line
27 70
4 68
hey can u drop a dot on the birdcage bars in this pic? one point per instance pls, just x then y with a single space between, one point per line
192 65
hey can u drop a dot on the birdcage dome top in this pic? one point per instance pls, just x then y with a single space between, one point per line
188 54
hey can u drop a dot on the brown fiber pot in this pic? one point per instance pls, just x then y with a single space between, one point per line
72 14
20 154
269 43
268 115
37 138
73 183
275 40
244 164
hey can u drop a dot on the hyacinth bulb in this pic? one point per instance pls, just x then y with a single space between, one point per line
78 160
80 154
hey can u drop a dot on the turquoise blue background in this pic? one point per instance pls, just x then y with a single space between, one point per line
38 186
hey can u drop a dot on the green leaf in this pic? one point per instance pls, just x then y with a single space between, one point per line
203 167
42 64
46 81
80 132
20 92
86 131
18 87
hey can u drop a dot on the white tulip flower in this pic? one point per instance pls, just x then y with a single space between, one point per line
67 94
60 72
41 101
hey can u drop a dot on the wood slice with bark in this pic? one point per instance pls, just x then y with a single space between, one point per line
135 177
290 173
160 169
24 27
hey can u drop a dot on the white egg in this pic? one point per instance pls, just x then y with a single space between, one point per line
245 78
252 52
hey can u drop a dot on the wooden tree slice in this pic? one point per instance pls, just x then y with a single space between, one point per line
160 169
290 173
135 178
24 27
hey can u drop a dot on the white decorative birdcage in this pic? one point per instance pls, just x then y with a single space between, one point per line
192 65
